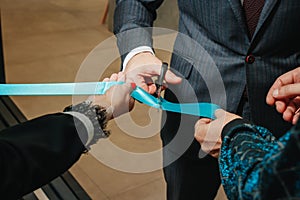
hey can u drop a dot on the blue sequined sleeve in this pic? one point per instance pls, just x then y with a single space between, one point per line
254 165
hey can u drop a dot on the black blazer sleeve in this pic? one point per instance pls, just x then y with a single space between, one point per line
35 152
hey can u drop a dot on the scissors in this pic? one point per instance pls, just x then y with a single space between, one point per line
160 80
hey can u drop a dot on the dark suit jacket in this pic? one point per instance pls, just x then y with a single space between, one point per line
35 152
212 50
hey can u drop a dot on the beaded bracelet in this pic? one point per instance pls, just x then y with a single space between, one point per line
96 114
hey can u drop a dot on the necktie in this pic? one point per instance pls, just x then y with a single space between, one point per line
252 9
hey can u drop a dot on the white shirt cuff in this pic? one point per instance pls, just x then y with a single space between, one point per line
135 51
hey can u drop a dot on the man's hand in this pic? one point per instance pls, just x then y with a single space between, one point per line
208 132
142 67
117 99
285 95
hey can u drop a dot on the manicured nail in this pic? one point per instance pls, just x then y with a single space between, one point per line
133 85
275 93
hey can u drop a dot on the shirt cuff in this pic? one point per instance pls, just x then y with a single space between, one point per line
87 123
135 51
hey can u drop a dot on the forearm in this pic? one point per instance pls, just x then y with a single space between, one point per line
37 151
130 14
131 24
243 150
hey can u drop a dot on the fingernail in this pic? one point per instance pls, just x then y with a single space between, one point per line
275 93
133 85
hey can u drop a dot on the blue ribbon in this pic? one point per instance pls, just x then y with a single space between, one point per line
56 89
94 88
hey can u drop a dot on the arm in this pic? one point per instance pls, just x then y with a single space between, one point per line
244 156
254 165
37 151
133 22
252 160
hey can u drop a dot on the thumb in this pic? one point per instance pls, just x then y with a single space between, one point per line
220 113
172 78
125 88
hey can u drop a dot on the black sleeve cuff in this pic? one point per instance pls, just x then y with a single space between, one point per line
228 127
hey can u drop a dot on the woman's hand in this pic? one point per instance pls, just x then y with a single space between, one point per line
208 132
117 99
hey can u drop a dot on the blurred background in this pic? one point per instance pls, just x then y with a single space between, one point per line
47 41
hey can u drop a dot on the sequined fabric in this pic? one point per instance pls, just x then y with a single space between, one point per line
254 165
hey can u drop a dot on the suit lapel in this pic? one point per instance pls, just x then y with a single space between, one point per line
268 7
240 15
238 11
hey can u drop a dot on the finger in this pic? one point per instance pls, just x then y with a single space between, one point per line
280 106
172 78
121 76
120 98
201 127
207 146
105 80
289 112
220 113
287 115
204 121
296 117
200 132
124 89
129 100
146 70
135 78
139 82
297 112
211 146
113 77
270 98
148 80
120 91
151 88
285 79
287 91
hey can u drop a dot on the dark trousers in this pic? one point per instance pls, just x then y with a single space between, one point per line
189 179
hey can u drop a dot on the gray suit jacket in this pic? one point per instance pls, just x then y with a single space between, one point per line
218 47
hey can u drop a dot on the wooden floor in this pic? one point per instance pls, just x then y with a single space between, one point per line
48 41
